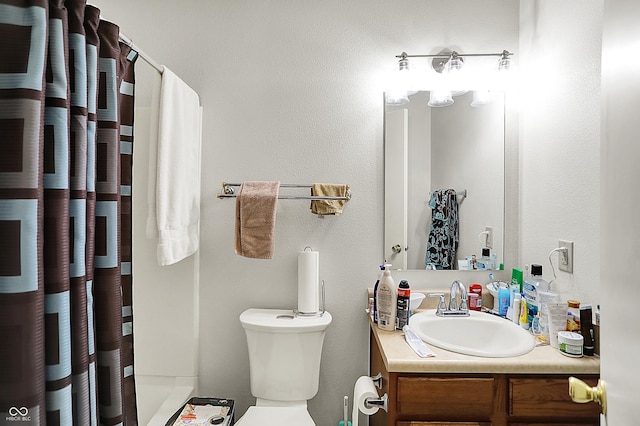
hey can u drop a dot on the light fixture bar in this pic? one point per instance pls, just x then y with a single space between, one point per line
504 53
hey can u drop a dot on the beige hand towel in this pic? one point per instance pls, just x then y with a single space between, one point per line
256 219
329 207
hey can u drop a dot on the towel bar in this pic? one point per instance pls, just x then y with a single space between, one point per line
461 195
228 192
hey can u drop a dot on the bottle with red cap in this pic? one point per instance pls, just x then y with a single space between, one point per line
475 297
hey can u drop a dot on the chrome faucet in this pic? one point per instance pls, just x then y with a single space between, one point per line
453 305
454 309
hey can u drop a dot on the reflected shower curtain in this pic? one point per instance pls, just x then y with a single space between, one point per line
66 127
443 240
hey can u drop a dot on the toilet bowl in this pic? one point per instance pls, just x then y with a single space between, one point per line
276 416
284 365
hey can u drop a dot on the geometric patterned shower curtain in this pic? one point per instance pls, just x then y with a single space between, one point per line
66 144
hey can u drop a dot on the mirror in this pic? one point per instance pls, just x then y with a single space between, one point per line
457 147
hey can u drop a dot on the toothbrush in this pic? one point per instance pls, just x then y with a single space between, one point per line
346 421
346 410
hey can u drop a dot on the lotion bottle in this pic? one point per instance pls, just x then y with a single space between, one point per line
387 299
375 295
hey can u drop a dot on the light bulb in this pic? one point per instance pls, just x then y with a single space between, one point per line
440 98
481 98
396 97
402 83
456 75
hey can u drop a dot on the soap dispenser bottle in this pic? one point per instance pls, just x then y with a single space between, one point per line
387 299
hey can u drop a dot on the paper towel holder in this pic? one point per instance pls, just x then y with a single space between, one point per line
382 402
322 309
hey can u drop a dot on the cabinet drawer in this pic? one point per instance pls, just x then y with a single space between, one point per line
447 397
443 424
546 396
592 423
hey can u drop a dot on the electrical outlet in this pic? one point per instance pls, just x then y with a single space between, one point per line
489 237
566 256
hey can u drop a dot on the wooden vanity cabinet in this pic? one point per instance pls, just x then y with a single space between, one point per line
426 399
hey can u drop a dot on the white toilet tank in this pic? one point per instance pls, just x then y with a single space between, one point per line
284 353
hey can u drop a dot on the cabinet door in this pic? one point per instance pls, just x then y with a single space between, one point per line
554 424
463 399
443 424
548 397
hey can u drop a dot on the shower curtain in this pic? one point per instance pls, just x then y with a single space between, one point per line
66 127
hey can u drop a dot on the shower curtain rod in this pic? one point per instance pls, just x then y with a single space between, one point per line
126 40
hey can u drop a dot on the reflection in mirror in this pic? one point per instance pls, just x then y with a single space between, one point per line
427 149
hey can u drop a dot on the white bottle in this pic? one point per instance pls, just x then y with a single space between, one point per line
387 298
515 310
485 262
533 285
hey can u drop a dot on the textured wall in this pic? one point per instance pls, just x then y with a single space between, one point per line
560 45
291 92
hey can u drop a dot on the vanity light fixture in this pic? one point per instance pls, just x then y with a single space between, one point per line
504 63
452 77
403 82
456 74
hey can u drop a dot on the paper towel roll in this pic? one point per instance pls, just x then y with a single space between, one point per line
364 388
309 282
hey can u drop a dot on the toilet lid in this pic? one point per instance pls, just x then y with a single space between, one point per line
276 416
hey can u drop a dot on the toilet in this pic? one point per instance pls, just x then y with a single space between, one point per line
284 362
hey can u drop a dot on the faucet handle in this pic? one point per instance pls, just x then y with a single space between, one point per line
463 304
442 306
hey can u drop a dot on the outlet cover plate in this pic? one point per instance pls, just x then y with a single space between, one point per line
565 262
489 236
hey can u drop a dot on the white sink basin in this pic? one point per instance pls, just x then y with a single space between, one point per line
479 334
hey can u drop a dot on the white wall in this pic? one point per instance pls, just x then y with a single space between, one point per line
291 92
560 46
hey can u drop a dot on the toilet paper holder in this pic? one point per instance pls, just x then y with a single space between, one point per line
382 402
377 380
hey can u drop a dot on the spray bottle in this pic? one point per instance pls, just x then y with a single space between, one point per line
404 299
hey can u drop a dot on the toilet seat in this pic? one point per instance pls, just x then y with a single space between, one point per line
276 416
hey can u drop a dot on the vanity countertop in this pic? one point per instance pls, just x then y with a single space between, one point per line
400 358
